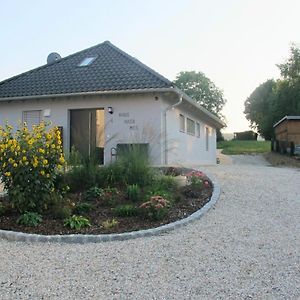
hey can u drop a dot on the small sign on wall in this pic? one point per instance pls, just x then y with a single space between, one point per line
128 120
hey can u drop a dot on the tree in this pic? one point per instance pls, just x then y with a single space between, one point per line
290 70
258 108
202 90
288 91
272 100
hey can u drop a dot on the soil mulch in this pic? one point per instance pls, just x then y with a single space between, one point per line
183 208
188 201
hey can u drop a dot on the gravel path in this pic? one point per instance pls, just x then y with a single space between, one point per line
247 247
254 159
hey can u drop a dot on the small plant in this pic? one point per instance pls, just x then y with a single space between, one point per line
155 208
93 193
164 186
195 179
83 176
126 210
207 184
133 192
75 158
60 207
29 219
108 224
77 222
61 212
112 174
165 183
110 195
2 209
171 171
82 208
158 192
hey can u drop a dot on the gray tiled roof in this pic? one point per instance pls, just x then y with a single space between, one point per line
112 70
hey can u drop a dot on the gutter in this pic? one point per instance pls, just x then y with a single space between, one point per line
165 127
201 108
109 92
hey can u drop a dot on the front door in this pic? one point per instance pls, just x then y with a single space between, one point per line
87 132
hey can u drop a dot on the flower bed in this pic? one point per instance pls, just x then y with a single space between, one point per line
125 196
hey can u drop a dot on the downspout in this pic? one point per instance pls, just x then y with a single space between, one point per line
165 128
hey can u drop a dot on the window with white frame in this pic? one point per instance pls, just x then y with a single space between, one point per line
207 138
32 117
181 123
190 126
198 129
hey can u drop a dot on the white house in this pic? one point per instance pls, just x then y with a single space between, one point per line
102 98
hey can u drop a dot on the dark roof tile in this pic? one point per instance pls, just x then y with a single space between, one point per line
112 70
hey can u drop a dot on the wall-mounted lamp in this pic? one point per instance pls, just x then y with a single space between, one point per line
110 110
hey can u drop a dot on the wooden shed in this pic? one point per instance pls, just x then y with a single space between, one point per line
287 134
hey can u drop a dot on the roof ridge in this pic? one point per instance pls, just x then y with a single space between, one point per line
136 61
51 64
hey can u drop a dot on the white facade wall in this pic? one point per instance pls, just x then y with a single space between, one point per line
136 118
187 149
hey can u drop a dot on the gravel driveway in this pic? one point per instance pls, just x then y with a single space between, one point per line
247 247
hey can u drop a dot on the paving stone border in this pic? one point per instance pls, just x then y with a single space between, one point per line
88 238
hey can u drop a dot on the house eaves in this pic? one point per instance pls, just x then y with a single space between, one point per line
215 120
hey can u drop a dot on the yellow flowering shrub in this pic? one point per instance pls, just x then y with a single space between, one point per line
29 163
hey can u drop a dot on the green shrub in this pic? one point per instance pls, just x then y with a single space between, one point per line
82 177
82 208
133 192
112 174
59 207
126 210
108 224
164 186
165 183
110 196
30 161
196 182
2 209
60 212
30 219
93 193
83 172
132 167
135 165
77 222
75 158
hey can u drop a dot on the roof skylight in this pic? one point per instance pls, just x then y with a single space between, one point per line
87 61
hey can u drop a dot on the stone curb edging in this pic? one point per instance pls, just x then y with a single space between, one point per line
82 238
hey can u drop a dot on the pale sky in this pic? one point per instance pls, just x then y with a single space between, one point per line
236 43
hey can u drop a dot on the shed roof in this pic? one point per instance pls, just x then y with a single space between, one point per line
286 118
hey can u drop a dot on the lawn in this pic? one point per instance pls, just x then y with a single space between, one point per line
244 147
